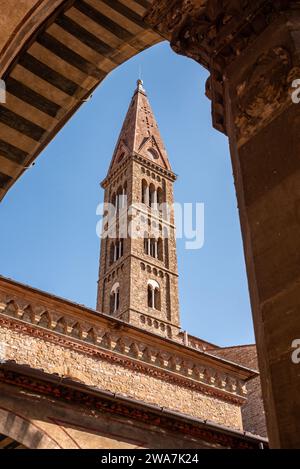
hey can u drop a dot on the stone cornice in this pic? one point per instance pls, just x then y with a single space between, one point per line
43 313
154 167
143 161
115 350
144 260
99 402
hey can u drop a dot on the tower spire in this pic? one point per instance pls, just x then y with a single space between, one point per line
140 133
138 273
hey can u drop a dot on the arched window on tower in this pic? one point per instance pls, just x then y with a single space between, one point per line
119 199
112 253
150 297
153 292
160 196
160 200
116 250
160 254
122 196
115 298
153 153
153 247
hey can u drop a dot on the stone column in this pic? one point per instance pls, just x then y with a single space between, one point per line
146 195
155 199
153 297
115 301
122 203
252 50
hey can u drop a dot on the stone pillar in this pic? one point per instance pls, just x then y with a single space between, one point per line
252 50
155 199
146 195
115 301
153 297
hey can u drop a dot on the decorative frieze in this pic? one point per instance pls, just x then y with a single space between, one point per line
106 404
113 344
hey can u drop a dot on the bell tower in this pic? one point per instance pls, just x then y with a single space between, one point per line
138 277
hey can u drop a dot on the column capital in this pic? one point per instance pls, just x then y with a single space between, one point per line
217 33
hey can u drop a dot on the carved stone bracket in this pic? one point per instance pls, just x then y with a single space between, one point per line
116 346
215 33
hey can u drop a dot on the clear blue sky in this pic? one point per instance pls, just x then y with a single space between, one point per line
48 220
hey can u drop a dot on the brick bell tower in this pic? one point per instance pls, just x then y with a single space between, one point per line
138 277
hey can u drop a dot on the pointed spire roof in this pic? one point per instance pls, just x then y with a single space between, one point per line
140 133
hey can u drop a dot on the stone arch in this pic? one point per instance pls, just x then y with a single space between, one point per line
76 331
45 320
91 336
134 350
28 314
120 345
11 308
61 325
153 153
154 295
24 431
80 79
106 341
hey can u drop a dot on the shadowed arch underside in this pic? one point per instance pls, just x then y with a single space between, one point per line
16 432
57 69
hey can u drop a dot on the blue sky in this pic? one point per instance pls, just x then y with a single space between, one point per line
48 220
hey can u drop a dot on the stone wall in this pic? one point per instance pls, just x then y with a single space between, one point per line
253 412
133 270
40 412
101 373
61 338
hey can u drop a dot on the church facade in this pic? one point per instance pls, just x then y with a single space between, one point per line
124 375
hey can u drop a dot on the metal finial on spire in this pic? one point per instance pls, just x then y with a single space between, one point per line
140 86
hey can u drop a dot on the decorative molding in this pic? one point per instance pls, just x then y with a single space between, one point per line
264 91
84 337
117 405
214 34
140 159
154 167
